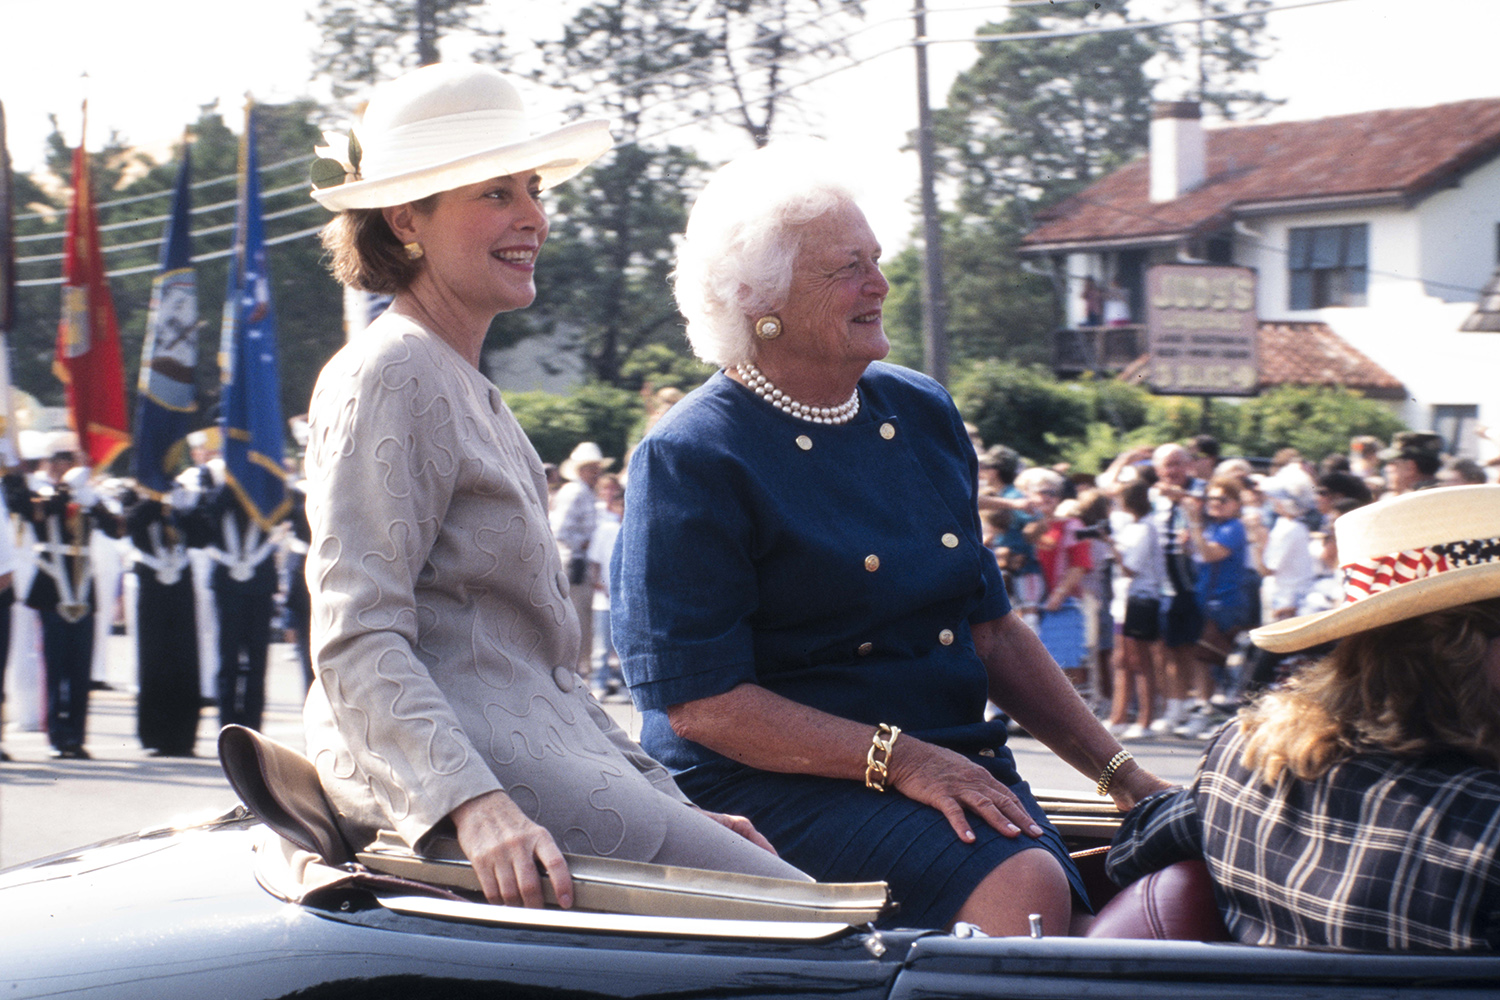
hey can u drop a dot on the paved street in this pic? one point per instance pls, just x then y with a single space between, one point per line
48 806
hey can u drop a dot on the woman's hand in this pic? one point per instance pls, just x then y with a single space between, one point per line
951 783
1133 783
505 846
741 826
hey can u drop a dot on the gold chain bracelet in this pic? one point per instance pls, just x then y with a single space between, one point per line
1115 763
877 769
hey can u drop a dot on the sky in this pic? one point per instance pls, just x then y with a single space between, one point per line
151 64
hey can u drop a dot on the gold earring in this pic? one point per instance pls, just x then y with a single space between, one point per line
768 328
414 251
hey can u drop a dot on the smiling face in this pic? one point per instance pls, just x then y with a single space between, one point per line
480 244
832 315
1174 466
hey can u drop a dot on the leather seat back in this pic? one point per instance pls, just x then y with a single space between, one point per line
1174 904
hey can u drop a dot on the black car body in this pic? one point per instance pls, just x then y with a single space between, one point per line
187 913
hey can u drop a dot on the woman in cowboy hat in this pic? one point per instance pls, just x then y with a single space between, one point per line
442 631
1359 805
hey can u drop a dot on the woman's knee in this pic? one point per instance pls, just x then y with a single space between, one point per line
1030 882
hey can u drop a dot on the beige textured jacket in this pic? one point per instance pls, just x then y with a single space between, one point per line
442 636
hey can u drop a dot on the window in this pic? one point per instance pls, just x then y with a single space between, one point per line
1327 265
1457 425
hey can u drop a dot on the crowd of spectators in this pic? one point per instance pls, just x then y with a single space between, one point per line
1144 580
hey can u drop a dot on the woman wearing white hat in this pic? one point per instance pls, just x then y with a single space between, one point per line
442 630
1359 806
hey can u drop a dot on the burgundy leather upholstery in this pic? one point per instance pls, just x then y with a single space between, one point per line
1174 904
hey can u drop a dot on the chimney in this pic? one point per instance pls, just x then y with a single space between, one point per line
1177 149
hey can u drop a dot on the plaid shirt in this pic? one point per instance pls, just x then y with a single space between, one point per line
1380 853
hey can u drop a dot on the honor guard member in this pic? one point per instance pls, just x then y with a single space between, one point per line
63 519
206 473
166 638
244 583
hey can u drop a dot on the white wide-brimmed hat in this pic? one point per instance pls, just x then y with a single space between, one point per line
1401 558
586 453
441 127
33 445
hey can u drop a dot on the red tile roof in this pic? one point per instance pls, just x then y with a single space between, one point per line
1400 154
1308 354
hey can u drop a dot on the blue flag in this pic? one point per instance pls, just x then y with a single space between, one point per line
165 398
250 404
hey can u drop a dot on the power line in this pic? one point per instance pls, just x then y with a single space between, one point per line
1105 29
196 186
197 259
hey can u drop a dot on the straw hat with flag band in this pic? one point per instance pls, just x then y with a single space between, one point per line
441 127
1404 557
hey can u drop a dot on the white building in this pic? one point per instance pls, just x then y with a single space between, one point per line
1383 226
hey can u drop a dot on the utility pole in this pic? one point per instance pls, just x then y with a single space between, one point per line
427 50
934 334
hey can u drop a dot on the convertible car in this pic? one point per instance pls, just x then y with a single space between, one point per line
258 904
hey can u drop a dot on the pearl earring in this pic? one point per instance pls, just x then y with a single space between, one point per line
768 328
414 251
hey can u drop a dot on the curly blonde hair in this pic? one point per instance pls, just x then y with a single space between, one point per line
1411 688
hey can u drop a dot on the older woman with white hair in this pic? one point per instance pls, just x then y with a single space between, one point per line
443 636
803 603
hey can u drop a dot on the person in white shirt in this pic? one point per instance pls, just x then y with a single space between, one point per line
1287 561
1136 610
574 516
608 683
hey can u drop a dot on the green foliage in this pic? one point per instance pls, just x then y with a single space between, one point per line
552 422
555 424
1217 60
1041 119
902 315
1095 450
658 366
1316 422
1087 422
366 41
1021 406
995 308
606 269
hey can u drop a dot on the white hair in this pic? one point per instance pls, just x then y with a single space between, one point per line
1039 477
736 260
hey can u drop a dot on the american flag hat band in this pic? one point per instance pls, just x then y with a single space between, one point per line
1361 579
1402 558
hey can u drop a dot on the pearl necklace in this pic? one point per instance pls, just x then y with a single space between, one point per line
762 387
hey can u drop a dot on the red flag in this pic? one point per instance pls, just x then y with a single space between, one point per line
88 337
